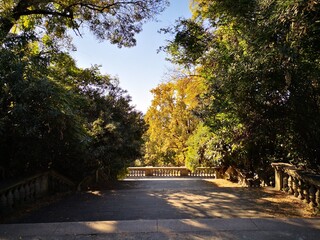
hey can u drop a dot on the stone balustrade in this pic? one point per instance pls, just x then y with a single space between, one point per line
300 183
31 189
173 172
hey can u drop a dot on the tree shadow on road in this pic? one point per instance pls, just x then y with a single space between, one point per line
169 199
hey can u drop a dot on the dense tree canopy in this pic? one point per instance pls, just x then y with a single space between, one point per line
114 20
54 115
171 122
260 63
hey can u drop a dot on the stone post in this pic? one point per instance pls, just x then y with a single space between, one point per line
148 172
278 173
184 172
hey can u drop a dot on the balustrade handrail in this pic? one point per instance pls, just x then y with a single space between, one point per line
51 173
151 171
298 182
298 173
32 188
22 181
169 168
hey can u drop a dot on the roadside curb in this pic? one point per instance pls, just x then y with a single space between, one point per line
296 225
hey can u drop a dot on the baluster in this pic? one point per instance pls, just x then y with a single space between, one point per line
312 196
10 199
295 187
27 192
22 192
285 183
37 188
44 185
300 190
290 185
3 203
318 197
306 193
32 190
16 197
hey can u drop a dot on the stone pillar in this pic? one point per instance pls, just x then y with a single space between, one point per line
278 173
184 172
148 172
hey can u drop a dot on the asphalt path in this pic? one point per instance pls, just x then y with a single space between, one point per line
156 199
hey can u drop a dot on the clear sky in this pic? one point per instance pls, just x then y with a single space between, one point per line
140 68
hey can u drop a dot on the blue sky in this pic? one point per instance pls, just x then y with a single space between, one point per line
140 68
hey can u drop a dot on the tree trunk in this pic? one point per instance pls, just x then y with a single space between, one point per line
5 26
7 22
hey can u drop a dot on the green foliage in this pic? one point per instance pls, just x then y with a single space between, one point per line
39 127
261 69
170 122
199 147
189 43
116 131
116 21
55 115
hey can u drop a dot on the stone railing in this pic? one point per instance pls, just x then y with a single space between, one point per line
31 189
172 172
301 184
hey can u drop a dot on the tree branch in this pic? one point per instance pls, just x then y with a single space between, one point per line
47 12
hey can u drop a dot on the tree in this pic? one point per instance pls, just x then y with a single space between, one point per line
40 126
171 122
115 127
261 67
114 20
54 115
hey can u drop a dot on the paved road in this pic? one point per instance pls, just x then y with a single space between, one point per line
165 209
180 198
173 229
